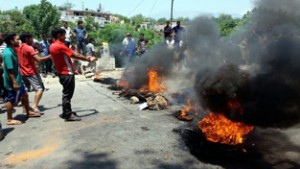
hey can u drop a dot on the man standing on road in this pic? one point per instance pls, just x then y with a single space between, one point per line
81 35
129 49
13 80
142 45
90 51
68 33
61 56
27 57
46 67
90 48
178 29
167 30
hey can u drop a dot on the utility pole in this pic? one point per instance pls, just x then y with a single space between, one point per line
82 3
171 19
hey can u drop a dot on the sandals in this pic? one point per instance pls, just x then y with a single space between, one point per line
14 122
36 110
33 114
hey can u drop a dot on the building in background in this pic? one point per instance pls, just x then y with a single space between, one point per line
100 17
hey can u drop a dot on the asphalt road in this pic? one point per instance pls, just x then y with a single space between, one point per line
115 134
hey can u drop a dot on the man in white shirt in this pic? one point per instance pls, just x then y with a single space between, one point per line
68 33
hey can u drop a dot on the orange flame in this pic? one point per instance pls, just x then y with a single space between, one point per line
217 128
183 115
155 83
123 83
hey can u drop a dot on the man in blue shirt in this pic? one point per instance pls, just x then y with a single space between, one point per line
129 49
46 67
178 29
81 35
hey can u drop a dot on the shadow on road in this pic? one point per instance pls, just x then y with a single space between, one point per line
43 108
92 161
21 117
6 131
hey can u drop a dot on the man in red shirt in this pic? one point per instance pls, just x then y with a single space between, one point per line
61 56
27 57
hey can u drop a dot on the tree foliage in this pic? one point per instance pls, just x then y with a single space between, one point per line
91 25
44 18
67 6
161 20
226 24
13 20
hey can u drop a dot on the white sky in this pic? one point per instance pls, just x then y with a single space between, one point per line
150 8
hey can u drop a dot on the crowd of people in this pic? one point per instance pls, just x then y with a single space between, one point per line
173 39
24 60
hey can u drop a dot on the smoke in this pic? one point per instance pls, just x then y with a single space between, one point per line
160 58
251 76
269 97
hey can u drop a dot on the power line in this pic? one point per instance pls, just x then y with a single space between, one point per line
136 7
152 8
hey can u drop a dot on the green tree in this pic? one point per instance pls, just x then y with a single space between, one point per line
14 20
115 33
138 19
90 23
67 6
29 11
246 18
226 24
162 20
121 17
44 18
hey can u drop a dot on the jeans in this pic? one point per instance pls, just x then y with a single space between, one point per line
81 47
46 66
68 83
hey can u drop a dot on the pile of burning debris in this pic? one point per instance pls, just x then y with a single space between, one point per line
215 126
151 95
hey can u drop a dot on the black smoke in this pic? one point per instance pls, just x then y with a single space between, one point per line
269 97
160 58
256 68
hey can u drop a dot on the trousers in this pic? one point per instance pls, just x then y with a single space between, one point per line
68 83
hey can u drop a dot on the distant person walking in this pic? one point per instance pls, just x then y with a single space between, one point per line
81 35
142 45
62 59
27 57
128 49
178 30
167 30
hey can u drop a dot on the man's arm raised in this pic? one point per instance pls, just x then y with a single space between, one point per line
41 59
